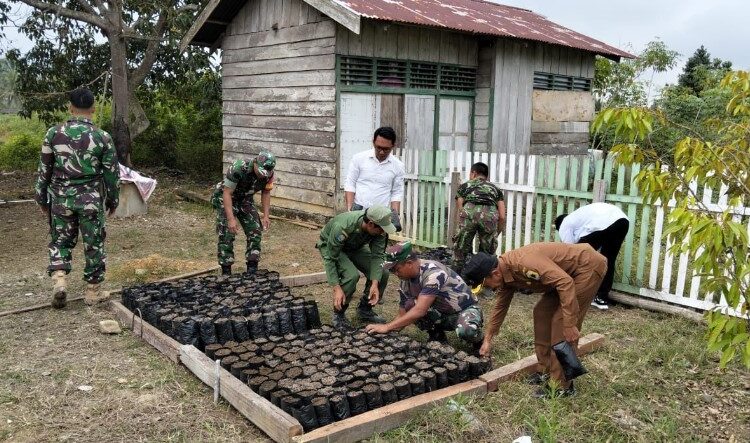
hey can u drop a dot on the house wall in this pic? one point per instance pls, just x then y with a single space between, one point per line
515 101
483 100
390 40
279 94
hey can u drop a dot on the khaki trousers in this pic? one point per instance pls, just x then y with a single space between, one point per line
548 316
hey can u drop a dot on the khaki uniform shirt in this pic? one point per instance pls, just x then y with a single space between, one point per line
543 267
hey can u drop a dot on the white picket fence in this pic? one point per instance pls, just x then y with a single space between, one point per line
537 189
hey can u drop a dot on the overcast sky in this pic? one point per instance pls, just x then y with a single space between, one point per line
722 26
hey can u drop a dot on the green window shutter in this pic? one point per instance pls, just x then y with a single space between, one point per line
356 71
558 82
457 78
424 75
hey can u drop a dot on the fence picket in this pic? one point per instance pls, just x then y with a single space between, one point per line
538 188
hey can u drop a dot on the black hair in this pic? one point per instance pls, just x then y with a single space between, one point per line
558 220
386 132
82 98
481 169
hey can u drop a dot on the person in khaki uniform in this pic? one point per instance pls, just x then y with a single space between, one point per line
567 275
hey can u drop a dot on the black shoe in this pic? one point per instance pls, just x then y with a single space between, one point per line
545 392
252 268
226 269
600 303
367 315
537 378
340 322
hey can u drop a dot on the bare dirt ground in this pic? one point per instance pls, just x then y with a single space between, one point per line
654 381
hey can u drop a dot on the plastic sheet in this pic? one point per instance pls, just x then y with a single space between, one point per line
340 407
403 388
305 414
571 365
322 410
285 320
271 323
311 312
373 396
299 320
224 331
357 402
208 331
256 326
388 391
239 329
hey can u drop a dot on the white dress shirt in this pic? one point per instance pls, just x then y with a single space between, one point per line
587 219
374 182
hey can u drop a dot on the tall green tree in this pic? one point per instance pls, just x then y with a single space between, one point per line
114 45
628 83
719 160
701 72
8 79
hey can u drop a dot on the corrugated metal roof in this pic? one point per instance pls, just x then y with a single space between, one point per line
479 17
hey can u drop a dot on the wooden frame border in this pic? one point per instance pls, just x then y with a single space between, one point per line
283 428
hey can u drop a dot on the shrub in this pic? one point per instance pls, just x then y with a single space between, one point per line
20 152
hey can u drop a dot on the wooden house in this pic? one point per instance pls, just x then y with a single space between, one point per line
312 79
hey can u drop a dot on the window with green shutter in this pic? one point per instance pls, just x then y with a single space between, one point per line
558 82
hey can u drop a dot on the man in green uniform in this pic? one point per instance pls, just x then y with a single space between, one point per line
78 178
433 296
352 242
233 202
481 212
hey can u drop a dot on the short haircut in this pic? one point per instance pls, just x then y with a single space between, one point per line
82 98
481 169
386 132
559 220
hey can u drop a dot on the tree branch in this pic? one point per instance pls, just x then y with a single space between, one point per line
149 57
87 6
68 13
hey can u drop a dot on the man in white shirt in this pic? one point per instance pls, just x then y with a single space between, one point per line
375 177
604 227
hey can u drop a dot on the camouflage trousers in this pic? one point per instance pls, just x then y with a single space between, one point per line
249 219
474 220
66 222
467 323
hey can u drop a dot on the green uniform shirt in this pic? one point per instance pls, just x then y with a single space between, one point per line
479 192
78 160
344 234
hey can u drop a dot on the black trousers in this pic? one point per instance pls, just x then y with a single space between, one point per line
608 242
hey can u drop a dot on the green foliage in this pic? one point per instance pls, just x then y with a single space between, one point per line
8 78
621 84
20 152
185 131
701 73
718 155
20 142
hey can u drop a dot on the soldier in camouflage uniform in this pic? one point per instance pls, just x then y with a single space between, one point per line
233 201
481 212
78 179
433 297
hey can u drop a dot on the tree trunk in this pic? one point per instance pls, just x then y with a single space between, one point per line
120 96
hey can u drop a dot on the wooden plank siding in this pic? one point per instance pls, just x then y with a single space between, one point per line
278 86
391 40
483 99
513 82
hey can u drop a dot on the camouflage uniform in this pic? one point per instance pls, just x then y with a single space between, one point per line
242 178
454 307
479 216
78 177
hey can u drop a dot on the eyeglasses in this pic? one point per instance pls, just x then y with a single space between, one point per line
381 149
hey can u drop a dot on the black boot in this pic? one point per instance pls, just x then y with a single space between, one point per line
252 268
340 321
226 269
365 314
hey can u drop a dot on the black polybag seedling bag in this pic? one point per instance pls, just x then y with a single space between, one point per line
572 366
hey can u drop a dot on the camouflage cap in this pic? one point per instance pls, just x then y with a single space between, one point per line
400 252
479 266
266 161
381 216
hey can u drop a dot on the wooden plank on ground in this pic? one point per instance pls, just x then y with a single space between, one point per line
159 340
388 417
277 424
303 279
587 344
